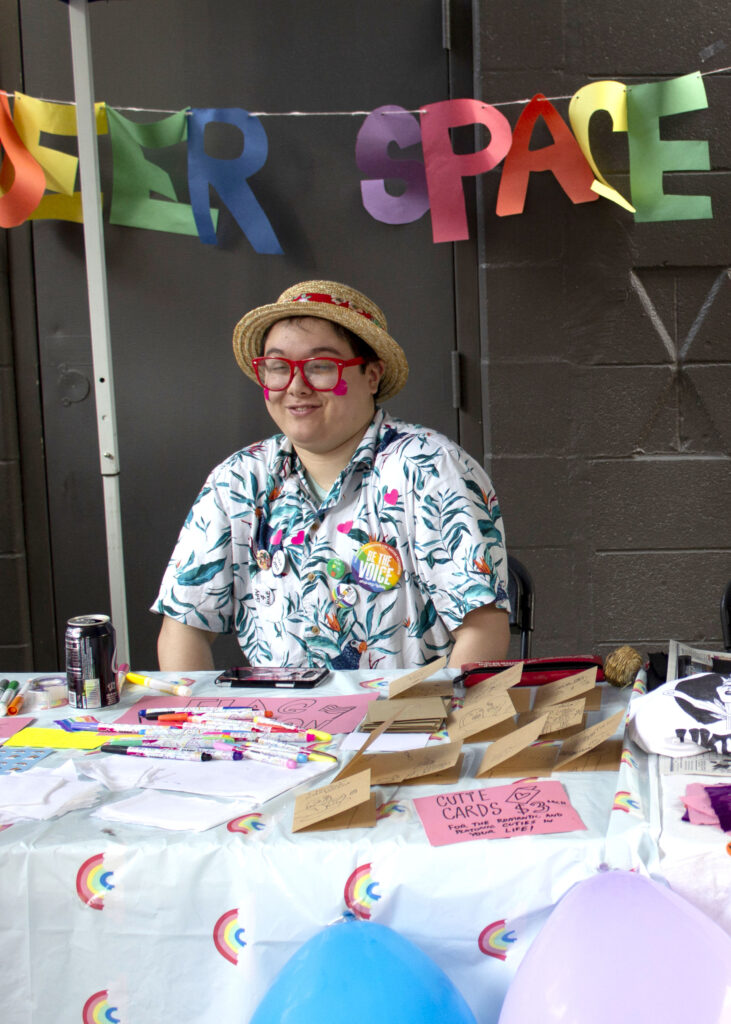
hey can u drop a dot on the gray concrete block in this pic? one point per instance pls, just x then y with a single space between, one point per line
541 500
532 409
647 598
661 505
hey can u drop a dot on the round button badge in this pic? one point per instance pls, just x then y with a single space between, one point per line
279 563
345 595
377 567
336 568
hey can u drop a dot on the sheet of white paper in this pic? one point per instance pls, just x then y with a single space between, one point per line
26 788
119 773
241 780
176 813
63 797
387 741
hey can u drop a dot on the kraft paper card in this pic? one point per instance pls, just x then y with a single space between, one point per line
564 689
412 764
404 683
511 745
420 714
433 688
357 761
532 762
446 777
497 812
346 803
558 716
482 709
606 757
587 740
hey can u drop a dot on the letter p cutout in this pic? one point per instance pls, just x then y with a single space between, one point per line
445 168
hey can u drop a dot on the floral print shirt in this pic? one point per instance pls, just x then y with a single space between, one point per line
377 575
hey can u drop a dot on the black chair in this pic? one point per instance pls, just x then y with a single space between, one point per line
522 599
726 617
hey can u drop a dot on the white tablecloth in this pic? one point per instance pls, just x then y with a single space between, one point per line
156 947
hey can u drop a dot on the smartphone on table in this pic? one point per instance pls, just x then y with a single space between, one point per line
263 676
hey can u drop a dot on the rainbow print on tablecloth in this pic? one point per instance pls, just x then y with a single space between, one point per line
625 801
98 1011
360 892
495 940
628 759
374 684
93 882
389 807
247 823
228 936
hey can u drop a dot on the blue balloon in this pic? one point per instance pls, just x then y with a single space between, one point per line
358 972
619 947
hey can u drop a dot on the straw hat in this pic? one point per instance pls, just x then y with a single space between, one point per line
328 300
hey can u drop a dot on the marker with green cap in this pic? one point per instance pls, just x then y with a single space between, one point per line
8 693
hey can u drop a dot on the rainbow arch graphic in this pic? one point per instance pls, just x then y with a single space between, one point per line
246 823
228 936
93 882
360 892
625 801
389 807
98 1011
495 940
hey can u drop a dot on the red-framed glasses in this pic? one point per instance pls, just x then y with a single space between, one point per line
320 373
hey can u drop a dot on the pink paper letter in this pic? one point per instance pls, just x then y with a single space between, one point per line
445 168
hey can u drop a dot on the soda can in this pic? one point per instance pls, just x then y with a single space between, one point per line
90 646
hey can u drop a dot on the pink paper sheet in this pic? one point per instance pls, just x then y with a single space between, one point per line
336 714
11 724
497 812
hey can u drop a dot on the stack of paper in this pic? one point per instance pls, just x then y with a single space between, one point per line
418 714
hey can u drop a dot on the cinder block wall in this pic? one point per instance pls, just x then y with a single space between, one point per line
607 342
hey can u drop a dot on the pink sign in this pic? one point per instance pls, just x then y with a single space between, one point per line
330 714
12 724
520 809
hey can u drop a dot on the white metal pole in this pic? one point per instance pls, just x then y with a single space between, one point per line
101 349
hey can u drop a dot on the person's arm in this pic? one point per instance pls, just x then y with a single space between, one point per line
483 636
183 648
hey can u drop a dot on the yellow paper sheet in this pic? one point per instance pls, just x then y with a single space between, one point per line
59 739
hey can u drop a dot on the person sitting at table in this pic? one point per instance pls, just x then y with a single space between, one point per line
350 539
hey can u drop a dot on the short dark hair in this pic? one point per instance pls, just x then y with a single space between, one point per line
360 348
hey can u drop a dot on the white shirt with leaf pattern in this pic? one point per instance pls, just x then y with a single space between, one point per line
406 487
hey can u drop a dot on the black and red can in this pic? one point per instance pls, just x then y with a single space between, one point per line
90 646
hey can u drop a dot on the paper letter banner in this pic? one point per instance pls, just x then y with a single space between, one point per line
445 168
382 126
135 177
228 177
650 156
22 181
524 808
609 96
563 158
33 117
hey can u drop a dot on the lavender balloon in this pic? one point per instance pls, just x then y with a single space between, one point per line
619 947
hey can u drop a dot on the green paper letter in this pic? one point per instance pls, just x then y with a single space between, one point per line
135 177
650 156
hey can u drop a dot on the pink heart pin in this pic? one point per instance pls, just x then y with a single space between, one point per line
345 527
391 497
298 538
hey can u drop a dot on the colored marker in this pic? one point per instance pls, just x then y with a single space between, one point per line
267 758
8 694
300 756
159 684
165 753
17 702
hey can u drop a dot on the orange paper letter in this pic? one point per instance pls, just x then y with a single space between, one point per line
22 180
563 158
